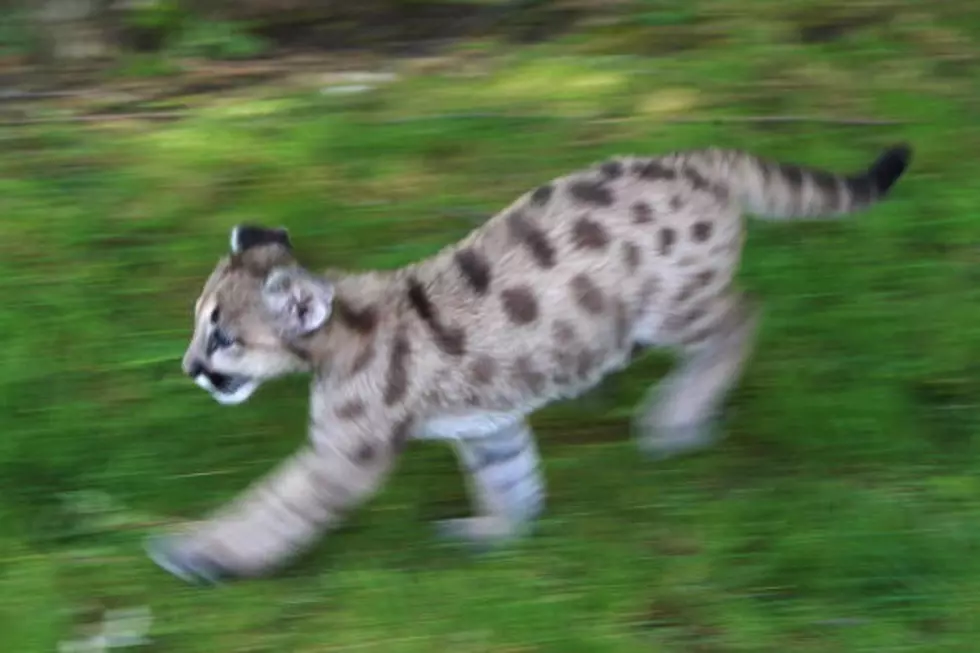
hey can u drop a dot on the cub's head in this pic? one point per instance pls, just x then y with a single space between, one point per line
251 319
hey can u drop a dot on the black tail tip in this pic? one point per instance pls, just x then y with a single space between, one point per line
889 166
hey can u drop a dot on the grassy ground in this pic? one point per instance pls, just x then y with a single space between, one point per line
841 514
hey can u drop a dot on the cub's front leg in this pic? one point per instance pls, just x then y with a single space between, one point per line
283 514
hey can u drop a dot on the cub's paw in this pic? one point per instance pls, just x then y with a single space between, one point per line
477 534
171 554
664 442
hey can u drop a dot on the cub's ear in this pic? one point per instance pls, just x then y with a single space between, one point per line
298 302
246 236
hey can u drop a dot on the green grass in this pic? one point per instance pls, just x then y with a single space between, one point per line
842 513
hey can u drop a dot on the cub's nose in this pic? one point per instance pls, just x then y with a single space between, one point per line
194 368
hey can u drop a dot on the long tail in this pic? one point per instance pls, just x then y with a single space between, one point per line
773 190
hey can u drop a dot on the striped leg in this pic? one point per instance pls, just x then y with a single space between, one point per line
276 518
502 470
680 414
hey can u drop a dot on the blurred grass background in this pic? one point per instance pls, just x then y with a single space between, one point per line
840 514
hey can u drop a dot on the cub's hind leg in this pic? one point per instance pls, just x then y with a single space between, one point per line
715 338
499 458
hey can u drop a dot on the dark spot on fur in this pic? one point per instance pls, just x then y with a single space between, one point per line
701 231
686 292
523 231
694 315
631 256
564 356
584 363
793 175
400 433
653 170
587 294
542 194
642 213
362 320
475 270
365 454
588 191
482 370
676 203
449 339
397 383
565 361
525 374
696 179
452 341
589 234
621 322
768 170
419 301
363 359
351 409
667 239
700 280
826 184
611 169
519 304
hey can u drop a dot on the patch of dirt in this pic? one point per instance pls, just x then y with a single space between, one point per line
303 46
405 28
827 24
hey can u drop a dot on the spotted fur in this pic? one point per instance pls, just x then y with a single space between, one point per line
559 289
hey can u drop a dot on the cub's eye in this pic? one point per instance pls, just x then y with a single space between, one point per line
215 315
222 339
219 339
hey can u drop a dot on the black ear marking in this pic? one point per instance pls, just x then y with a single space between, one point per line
246 236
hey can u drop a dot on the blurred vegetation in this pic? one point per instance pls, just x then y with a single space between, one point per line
222 29
840 514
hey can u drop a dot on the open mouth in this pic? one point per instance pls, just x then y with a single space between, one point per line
227 388
226 384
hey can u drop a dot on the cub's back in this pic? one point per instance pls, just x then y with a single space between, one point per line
555 286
